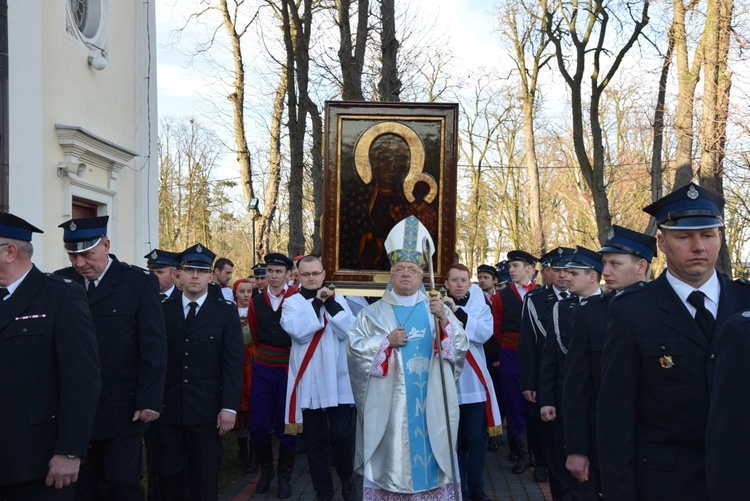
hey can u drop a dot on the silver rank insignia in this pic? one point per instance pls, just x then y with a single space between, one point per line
666 362
199 249
72 226
692 193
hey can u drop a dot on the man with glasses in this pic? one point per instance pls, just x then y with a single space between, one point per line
268 391
126 307
319 393
50 373
203 384
403 440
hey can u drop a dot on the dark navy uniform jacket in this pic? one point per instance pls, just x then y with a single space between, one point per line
205 364
727 435
657 368
533 334
553 358
126 308
50 374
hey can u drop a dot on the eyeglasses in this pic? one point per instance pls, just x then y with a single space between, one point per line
408 271
307 274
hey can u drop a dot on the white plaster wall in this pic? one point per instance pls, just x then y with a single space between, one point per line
51 82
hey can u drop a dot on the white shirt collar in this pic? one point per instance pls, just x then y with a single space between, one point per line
200 301
169 291
98 279
12 287
712 290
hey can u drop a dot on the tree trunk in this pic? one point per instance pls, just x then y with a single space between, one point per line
237 98
274 169
389 86
352 63
657 170
717 83
687 78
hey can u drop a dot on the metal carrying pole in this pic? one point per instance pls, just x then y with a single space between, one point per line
427 253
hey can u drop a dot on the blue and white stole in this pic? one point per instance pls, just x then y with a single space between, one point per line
416 355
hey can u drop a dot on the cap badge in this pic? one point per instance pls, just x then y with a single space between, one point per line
198 249
72 226
611 234
692 193
746 314
560 251
666 362
154 255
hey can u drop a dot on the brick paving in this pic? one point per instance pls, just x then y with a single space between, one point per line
499 483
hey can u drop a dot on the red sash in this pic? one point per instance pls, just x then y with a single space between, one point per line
493 428
293 428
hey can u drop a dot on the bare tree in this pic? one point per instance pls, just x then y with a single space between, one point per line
688 75
717 83
389 86
523 25
352 58
567 25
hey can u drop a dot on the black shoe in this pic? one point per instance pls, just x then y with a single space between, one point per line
540 474
492 445
251 464
522 464
285 466
348 490
266 475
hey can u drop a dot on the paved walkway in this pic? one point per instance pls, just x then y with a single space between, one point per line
499 482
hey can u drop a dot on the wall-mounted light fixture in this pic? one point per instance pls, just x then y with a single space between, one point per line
98 62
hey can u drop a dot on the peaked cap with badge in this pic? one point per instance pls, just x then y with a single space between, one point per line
85 233
557 257
584 258
259 270
625 241
688 208
503 272
197 257
158 258
404 242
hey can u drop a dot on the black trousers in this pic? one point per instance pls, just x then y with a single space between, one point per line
112 470
329 436
196 449
36 490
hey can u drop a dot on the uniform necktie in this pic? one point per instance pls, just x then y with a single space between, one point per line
163 296
564 294
90 288
703 317
3 292
191 313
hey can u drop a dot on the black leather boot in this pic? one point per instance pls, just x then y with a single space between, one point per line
265 458
348 489
286 465
251 465
522 446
